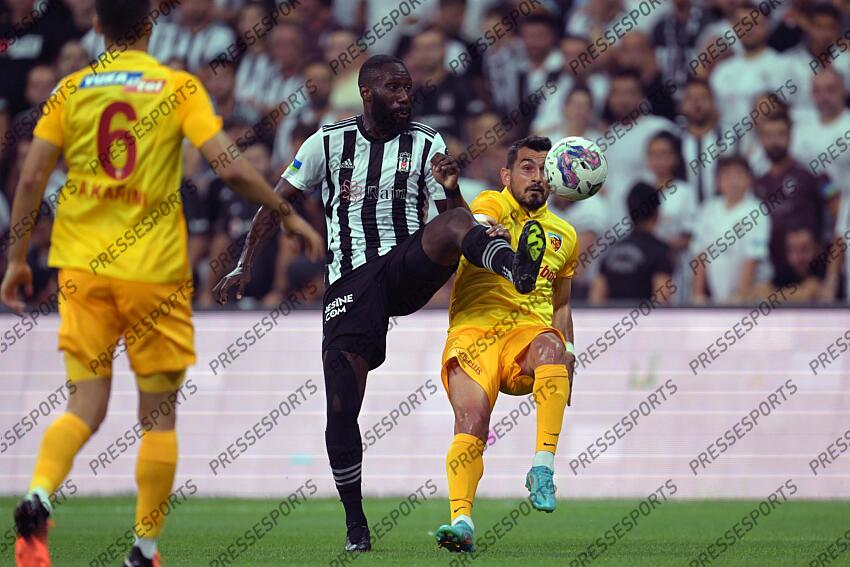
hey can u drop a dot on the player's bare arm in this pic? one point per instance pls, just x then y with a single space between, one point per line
40 161
276 208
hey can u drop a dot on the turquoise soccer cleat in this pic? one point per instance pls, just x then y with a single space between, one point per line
539 483
456 538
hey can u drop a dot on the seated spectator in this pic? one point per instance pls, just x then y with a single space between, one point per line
802 248
639 265
72 57
675 39
822 26
729 256
792 193
574 73
316 112
737 81
577 118
630 127
678 197
255 65
634 51
443 100
700 133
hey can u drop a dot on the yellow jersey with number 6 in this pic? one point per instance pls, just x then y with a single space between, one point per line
483 299
121 129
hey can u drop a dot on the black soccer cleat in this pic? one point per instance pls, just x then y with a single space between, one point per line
137 559
358 538
31 517
528 257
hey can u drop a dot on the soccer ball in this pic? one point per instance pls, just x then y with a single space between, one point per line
576 168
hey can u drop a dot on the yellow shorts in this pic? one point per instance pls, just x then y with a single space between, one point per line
154 319
493 362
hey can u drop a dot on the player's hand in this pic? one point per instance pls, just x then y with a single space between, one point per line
17 274
445 170
239 277
314 244
496 230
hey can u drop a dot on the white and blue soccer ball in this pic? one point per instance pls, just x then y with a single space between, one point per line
576 168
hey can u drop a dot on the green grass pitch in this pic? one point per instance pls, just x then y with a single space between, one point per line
200 528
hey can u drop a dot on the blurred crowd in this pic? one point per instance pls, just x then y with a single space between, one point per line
725 125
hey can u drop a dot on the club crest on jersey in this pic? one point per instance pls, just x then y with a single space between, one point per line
404 162
555 241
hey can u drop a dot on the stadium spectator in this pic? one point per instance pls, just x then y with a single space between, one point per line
577 118
700 134
791 189
675 39
255 65
802 247
738 80
634 51
822 27
72 57
501 63
286 46
345 99
593 18
724 16
639 264
198 38
317 112
317 21
549 114
630 126
678 197
220 83
727 269
443 100
40 82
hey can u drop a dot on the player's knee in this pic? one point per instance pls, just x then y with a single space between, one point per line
548 349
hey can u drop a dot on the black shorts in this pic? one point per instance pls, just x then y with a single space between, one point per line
358 306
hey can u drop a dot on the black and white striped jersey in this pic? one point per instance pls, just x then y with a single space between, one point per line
375 193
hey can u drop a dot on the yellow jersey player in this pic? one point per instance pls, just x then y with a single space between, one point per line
119 242
502 341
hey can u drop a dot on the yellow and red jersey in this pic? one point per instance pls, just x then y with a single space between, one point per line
121 131
481 298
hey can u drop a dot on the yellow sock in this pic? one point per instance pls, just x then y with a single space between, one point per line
551 389
155 470
464 468
60 444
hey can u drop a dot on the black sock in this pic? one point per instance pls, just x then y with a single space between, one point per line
342 434
494 254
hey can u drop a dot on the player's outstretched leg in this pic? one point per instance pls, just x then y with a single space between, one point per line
547 358
456 231
156 464
345 385
61 442
465 459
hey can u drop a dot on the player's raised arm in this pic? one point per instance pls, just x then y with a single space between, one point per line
39 163
446 172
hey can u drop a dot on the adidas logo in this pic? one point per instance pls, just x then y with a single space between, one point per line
347 164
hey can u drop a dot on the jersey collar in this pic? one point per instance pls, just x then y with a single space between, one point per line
506 193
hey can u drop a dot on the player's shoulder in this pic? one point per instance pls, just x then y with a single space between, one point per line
423 129
346 124
489 197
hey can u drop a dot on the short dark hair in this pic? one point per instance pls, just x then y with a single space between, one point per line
643 202
627 73
824 9
732 161
536 143
692 81
779 116
371 69
118 18
541 18
579 88
675 143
